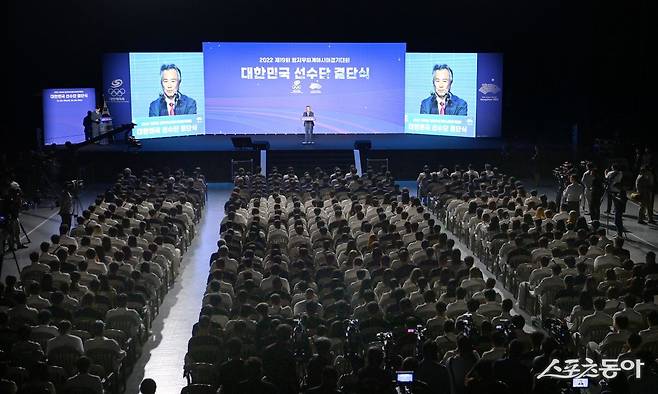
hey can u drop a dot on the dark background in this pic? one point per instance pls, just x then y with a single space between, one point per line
566 63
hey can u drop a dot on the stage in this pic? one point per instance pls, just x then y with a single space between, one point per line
406 153
217 142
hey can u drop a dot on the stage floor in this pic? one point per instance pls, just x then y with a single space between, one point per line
206 143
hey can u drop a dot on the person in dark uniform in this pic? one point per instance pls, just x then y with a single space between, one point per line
597 189
66 205
87 122
620 199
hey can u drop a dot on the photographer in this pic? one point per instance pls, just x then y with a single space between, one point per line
597 191
66 205
319 361
279 364
613 178
480 379
644 186
12 207
619 199
459 364
512 371
415 386
587 180
430 370
373 378
563 175
329 382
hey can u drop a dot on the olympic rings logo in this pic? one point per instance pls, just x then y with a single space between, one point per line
116 92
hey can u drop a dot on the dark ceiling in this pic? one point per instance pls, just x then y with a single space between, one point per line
565 62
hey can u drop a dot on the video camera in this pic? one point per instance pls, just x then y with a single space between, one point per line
559 331
12 202
384 336
566 169
75 186
563 172
300 342
470 328
506 328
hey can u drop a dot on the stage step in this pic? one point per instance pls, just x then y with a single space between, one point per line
307 159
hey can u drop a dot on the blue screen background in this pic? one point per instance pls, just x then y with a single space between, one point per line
237 102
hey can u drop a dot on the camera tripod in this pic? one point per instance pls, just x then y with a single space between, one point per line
20 225
6 248
12 233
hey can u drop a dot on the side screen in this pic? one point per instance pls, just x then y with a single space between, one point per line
167 96
64 111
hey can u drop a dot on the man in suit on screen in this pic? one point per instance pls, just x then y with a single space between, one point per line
171 101
441 100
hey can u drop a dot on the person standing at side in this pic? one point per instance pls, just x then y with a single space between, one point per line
86 122
572 195
596 196
96 122
644 187
620 200
586 181
65 206
613 179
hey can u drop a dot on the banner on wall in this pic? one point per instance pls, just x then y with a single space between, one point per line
116 87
